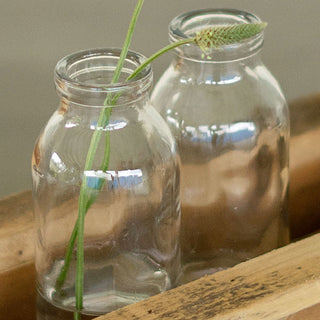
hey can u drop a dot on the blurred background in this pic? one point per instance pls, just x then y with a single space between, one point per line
35 34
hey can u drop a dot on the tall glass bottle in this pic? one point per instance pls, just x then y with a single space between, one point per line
131 248
230 120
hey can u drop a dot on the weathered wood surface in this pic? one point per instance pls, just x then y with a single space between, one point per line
17 276
304 195
18 293
16 231
280 285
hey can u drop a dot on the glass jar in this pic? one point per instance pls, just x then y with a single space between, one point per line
230 120
131 238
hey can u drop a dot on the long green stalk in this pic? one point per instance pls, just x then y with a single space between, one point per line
84 198
158 54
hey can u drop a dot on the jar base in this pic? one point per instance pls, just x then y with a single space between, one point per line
108 284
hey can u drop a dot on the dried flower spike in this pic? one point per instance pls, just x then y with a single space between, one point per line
216 37
209 38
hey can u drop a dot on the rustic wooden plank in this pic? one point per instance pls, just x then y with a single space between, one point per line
304 194
311 313
274 286
16 221
16 231
17 275
18 293
304 114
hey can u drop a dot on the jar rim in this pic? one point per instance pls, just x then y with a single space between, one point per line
187 24
69 68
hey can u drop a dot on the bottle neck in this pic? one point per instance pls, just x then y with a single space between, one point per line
84 79
206 70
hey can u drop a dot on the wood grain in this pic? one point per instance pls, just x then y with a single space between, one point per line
17 274
282 285
304 192
275 286
18 293
16 231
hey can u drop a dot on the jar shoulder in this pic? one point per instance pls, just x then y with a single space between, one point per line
132 134
226 97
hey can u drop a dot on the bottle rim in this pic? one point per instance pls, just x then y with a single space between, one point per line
187 24
81 72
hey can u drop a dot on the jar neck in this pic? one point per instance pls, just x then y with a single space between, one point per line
188 24
84 78
205 71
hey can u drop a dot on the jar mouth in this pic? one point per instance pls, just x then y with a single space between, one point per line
187 24
89 73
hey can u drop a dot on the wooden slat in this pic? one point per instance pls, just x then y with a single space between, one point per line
17 276
304 114
304 195
16 231
275 286
311 313
18 293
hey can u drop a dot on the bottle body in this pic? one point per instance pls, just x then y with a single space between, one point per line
230 121
131 248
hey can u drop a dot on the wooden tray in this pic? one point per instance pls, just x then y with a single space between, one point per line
283 284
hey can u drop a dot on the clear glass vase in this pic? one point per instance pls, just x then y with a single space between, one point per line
230 120
131 238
